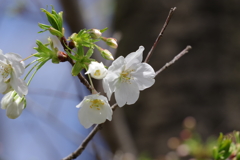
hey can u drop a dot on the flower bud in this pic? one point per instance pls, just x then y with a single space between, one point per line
106 54
95 33
62 56
71 45
111 42
14 104
97 70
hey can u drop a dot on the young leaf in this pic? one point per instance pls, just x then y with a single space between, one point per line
77 68
89 53
103 30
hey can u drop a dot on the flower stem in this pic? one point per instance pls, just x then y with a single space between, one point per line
31 68
31 63
29 57
91 83
37 68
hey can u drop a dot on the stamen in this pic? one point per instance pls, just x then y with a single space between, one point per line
125 76
5 70
96 104
97 73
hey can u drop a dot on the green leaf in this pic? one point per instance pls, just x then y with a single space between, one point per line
54 18
215 153
220 138
80 51
89 53
77 68
43 26
237 136
73 57
103 30
238 156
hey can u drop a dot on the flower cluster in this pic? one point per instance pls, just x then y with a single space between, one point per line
126 77
14 88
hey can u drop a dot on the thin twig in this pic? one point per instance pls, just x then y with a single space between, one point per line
160 34
177 57
85 142
84 81
81 78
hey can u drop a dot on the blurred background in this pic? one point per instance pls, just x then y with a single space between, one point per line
203 84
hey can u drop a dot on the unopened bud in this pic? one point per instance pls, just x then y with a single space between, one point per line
111 42
71 45
95 33
62 56
106 54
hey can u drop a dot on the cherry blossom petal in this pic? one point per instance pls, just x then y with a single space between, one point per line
126 93
15 109
134 57
3 86
19 85
16 62
94 109
144 76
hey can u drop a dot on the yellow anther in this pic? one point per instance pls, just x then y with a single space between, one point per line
97 73
125 76
96 103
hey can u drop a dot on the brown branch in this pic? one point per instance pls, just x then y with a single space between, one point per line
85 142
82 79
177 57
160 34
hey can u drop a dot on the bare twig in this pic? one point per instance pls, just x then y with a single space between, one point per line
177 57
85 142
160 34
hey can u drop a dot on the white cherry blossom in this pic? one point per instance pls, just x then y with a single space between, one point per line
11 68
14 104
94 109
127 76
97 70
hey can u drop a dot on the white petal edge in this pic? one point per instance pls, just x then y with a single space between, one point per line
134 57
18 85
